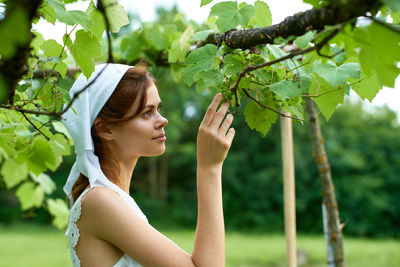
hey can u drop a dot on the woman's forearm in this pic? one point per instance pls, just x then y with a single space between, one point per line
209 245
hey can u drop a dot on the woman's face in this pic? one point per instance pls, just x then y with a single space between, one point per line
143 135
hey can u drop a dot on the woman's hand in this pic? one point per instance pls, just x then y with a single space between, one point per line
214 139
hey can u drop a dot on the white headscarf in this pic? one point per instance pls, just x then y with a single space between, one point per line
79 118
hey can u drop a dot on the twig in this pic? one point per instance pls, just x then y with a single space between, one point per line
23 114
329 91
264 106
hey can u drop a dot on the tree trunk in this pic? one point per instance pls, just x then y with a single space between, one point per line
332 227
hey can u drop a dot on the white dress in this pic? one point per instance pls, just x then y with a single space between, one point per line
73 231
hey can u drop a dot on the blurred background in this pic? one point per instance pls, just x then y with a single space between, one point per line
363 146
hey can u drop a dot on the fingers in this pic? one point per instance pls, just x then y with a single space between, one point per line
211 110
219 116
226 124
230 135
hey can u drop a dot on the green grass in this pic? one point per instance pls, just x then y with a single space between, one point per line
29 245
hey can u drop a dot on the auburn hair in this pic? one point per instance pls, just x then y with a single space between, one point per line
133 85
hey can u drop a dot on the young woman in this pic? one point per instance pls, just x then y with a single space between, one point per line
114 121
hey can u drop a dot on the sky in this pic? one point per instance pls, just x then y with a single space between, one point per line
191 8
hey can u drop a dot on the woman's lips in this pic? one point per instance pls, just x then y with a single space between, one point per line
160 138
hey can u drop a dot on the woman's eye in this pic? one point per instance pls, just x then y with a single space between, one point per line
147 114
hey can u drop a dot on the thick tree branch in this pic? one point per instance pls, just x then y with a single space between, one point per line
297 25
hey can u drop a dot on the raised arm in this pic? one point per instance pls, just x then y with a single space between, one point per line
213 143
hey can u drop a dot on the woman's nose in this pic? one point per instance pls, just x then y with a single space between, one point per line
162 122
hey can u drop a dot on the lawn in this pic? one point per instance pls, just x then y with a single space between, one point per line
24 245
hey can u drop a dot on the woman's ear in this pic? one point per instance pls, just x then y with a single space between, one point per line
102 130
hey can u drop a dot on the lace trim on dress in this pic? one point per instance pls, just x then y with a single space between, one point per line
73 236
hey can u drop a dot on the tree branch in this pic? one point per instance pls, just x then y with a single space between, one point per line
297 25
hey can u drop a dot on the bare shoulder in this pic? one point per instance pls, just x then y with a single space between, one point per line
104 205
99 196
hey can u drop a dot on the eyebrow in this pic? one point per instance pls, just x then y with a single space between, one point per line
152 106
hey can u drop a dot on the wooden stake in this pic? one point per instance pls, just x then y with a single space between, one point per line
289 189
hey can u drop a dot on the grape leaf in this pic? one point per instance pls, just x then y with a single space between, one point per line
260 118
230 15
200 59
202 35
375 42
98 22
84 49
75 17
29 195
13 173
131 46
53 49
157 35
205 2
262 16
208 78
290 89
334 75
45 182
59 210
116 15
304 40
328 97
180 47
368 87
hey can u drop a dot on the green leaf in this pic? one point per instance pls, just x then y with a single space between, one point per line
52 49
181 46
59 210
116 15
60 145
202 35
30 196
368 87
75 17
328 97
205 2
262 16
45 182
13 172
393 4
304 40
296 110
84 49
157 35
98 23
290 89
379 53
230 15
42 156
131 45
14 31
201 59
334 75
260 118
233 64
278 53
207 79
48 13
